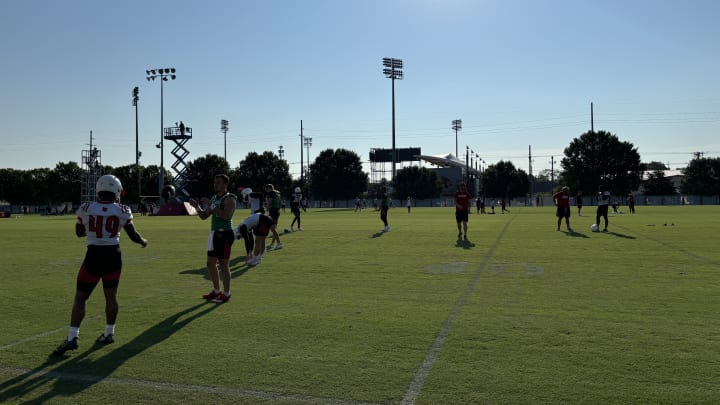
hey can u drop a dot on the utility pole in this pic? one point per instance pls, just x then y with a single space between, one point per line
301 153
592 118
552 171
532 179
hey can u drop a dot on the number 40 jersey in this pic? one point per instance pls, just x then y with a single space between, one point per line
103 221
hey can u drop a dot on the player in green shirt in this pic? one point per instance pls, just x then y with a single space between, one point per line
221 207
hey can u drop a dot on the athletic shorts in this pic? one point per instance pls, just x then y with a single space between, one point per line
562 212
263 227
274 214
602 210
101 263
461 216
219 243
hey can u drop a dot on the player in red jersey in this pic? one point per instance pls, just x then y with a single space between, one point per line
462 209
562 202
103 219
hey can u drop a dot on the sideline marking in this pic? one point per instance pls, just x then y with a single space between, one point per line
417 383
265 395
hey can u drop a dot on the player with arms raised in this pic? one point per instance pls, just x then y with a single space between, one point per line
462 209
100 222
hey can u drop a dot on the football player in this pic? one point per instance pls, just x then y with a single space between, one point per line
100 222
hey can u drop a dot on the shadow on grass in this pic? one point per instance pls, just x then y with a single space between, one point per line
238 267
377 234
576 234
80 372
465 244
620 235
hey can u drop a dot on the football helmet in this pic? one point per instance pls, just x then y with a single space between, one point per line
110 184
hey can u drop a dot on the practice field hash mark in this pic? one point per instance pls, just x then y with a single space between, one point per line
417 383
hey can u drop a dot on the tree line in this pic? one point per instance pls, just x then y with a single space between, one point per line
591 160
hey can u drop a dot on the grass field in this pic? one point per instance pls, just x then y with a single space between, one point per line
520 313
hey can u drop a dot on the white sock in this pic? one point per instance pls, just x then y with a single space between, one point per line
109 330
227 293
73 332
216 291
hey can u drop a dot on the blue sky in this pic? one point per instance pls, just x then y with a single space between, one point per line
517 73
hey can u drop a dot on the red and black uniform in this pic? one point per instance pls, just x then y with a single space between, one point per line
103 222
562 201
462 206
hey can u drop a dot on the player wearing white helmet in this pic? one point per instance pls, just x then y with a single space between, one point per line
295 208
100 222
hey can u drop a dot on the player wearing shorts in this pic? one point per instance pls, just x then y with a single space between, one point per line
100 222
272 198
602 207
462 209
579 202
295 208
561 199
258 224
221 208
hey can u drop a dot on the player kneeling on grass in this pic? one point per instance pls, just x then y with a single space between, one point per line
103 219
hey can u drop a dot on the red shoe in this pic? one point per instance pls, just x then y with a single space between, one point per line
222 298
212 295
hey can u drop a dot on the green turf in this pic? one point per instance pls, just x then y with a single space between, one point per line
345 313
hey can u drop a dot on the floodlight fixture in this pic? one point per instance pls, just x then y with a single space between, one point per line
456 125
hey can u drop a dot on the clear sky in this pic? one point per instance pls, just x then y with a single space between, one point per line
517 73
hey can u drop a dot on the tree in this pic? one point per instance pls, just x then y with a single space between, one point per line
653 166
256 170
64 182
701 177
337 175
658 184
201 174
600 158
504 180
35 186
416 182
10 190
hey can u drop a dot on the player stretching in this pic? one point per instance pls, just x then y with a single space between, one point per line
221 207
562 202
462 209
258 224
104 219
272 197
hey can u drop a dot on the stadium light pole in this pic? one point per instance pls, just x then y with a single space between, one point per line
136 97
163 75
224 129
393 70
456 125
281 152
